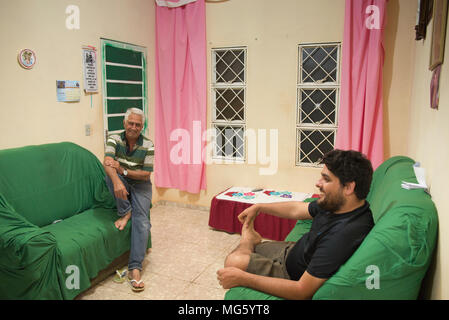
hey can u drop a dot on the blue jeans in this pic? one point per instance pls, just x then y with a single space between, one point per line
139 202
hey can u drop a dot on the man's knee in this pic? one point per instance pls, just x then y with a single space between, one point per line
141 201
237 260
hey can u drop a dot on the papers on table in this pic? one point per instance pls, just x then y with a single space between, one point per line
254 195
420 174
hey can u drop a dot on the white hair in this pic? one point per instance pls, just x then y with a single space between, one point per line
135 111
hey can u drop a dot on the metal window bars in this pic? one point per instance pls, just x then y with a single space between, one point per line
229 101
317 101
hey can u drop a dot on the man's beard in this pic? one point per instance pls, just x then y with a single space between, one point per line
331 203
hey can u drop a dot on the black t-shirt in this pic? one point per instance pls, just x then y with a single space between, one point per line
331 241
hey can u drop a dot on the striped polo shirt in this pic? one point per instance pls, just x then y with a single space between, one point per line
140 158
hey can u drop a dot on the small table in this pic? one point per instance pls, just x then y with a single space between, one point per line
226 206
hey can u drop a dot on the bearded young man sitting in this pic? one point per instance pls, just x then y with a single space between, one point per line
341 220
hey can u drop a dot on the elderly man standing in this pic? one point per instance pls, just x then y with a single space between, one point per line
128 163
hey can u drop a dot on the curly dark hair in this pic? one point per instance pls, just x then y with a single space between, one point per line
350 166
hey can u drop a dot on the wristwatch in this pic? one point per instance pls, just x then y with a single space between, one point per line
125 172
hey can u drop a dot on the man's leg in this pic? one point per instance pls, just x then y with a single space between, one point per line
240 257
140 194
123 206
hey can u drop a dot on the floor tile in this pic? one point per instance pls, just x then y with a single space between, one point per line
103 292
199 292
208 278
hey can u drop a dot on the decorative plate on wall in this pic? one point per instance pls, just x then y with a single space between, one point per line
27 58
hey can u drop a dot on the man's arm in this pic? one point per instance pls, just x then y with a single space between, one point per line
139 175
303 289
133 174
119 188
295 210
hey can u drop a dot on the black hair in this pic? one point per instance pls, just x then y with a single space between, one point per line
350 166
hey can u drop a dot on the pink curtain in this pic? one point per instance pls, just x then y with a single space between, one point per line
361 106
180 100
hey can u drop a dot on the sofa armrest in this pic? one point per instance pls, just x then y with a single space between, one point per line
16 234
29 258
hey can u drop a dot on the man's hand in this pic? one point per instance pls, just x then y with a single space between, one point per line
109 162
112 163
230 277
248 215
120 190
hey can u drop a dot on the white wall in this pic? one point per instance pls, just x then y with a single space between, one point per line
428 136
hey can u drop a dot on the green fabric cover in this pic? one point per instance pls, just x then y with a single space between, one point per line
42 184
58 179
400 244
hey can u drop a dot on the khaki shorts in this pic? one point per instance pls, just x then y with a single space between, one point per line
268 259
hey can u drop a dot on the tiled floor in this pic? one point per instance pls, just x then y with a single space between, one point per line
183 262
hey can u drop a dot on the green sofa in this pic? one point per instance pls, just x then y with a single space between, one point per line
394 257
56 222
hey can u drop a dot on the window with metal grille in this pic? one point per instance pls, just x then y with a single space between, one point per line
124 82
317 101
228 94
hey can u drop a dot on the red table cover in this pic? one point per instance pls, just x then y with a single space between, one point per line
223 216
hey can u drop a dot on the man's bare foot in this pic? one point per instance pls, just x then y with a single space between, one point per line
121 223
250 234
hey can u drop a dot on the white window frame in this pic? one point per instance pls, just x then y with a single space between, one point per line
215 86
331 85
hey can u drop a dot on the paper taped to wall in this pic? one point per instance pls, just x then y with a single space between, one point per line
420 174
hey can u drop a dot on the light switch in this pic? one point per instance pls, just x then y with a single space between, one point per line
87 129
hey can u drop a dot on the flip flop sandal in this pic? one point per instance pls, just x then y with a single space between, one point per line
120 275
135 289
